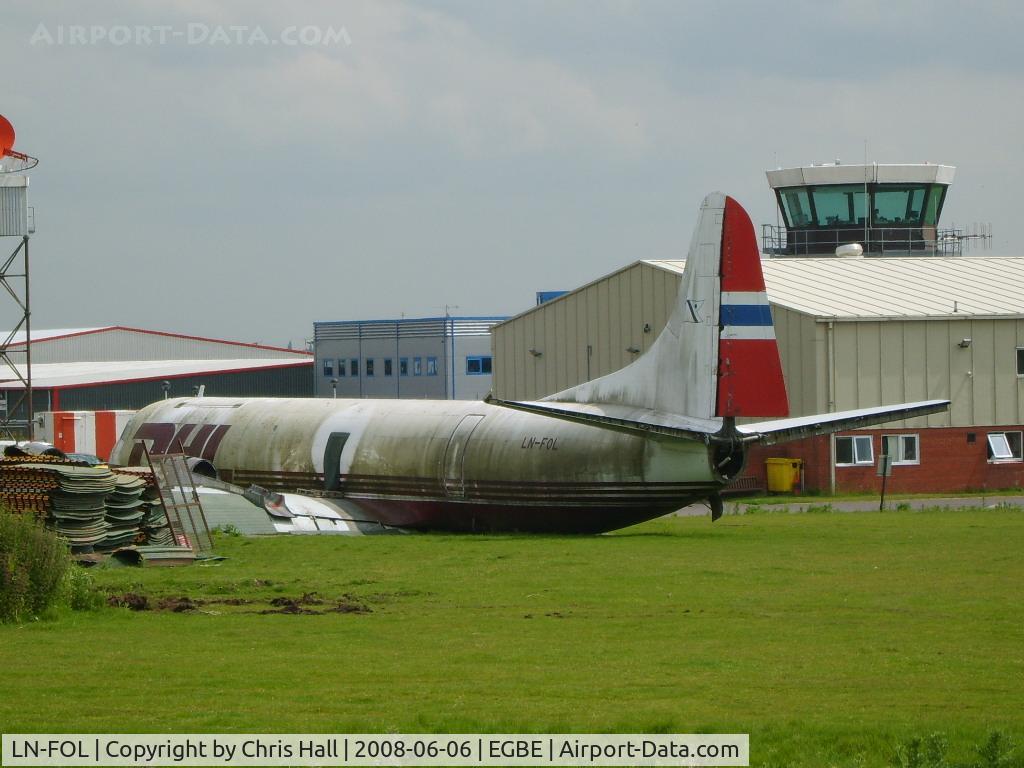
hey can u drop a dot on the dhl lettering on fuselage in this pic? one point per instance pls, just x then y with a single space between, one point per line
165 437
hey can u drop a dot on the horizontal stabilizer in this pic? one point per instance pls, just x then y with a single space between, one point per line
621 418
784 430
657 424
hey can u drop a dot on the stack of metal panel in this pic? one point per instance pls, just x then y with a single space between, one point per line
125 511
91 506
78 506
69 496
153 524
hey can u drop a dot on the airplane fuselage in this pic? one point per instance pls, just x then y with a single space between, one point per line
450 465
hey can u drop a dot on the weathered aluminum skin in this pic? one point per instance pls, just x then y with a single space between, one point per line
435 464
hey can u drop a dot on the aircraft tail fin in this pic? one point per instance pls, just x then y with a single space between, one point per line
717 356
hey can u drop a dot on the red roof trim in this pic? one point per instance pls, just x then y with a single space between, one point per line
226 342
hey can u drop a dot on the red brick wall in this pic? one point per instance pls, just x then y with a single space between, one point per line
948 463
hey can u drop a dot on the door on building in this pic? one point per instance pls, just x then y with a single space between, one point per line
68 432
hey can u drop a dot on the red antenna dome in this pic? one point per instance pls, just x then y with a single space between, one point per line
18 161
6 136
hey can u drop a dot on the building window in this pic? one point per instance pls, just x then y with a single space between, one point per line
341 368
353 366
851 450
369 366
1004 446
431 366
403 366
1020 361
417 366
478 366
387 366
328 367
902 448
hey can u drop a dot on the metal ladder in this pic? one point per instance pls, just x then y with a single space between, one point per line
180 499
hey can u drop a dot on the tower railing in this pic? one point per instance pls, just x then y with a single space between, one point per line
881 241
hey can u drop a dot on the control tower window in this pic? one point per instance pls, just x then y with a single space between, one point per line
839 205
934 205
796 206
898 205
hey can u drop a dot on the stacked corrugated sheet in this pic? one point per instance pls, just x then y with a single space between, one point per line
155 528
154 522
125 511
91 506
78 507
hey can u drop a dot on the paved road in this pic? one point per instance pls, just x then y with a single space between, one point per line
861 505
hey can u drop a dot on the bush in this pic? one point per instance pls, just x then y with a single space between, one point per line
80 592
33 564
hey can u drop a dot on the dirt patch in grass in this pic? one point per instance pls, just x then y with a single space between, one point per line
129 600
293 606
178 604
349 606
299 606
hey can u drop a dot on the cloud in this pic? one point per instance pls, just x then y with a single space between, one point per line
453 141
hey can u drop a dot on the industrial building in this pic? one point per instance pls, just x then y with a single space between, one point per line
852 333
116 367
909 318
438 358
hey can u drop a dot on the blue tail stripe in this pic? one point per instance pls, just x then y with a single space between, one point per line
746 314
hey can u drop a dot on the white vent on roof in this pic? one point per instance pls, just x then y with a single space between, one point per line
850 251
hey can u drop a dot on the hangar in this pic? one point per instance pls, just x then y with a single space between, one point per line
852 333
118 367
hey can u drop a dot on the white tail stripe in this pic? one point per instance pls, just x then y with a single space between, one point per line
744 332
745 297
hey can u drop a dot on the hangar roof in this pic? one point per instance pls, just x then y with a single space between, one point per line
903 287
41 335
51 375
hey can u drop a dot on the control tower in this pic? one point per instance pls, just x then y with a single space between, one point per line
888 210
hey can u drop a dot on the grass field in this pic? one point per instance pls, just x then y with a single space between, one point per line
830 638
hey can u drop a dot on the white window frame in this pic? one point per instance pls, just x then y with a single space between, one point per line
900 456
1003 454
858 461
1020 373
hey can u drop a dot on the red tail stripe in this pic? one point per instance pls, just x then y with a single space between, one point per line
741 259
750 381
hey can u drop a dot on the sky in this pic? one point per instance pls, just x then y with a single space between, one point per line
241 170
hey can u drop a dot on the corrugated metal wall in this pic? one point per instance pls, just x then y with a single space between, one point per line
13 211
582 335
276 382
875 362
804 353
296 381
907 360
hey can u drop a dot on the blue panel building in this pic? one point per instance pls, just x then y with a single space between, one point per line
436 358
